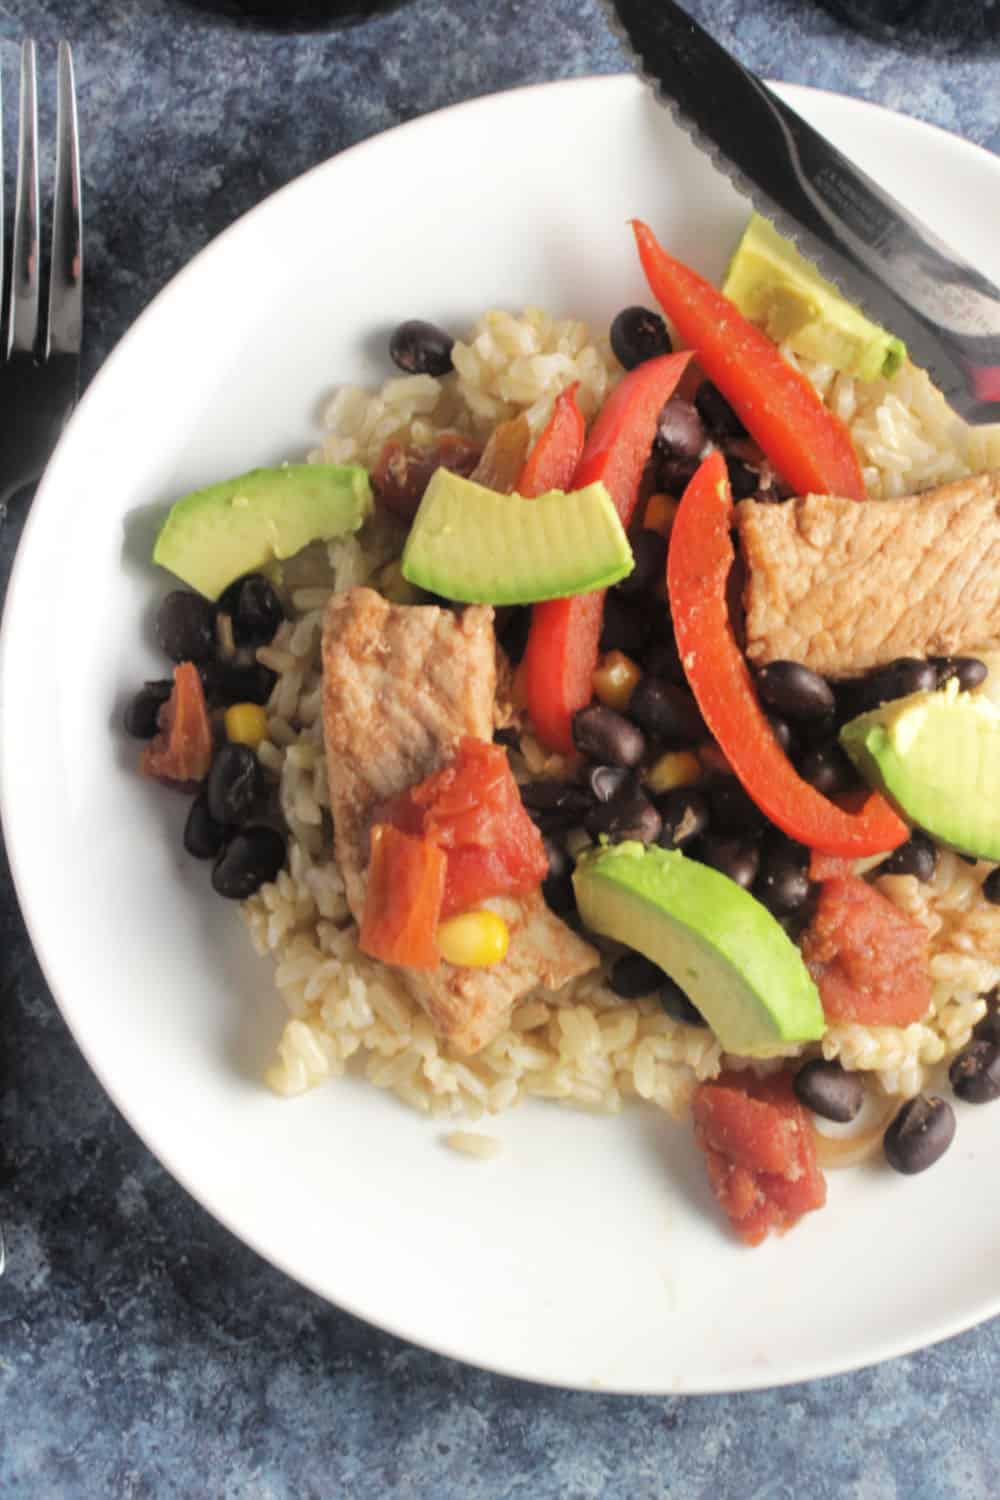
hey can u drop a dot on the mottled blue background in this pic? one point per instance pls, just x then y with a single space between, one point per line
143 1351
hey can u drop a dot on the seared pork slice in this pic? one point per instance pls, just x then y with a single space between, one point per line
401 685
843 587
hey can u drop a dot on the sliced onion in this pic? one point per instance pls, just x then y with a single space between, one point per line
848 1150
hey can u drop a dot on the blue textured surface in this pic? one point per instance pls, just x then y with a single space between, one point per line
143 1351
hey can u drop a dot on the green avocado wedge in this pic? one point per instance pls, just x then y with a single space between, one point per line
936 756
723 948
775 286
215 535
476 546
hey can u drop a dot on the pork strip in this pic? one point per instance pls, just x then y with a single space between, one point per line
401 685
844 587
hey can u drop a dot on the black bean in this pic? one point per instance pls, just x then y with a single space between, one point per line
605 782
225 684
559 894
185 626
782 884
827 768
555 796
512 631
733 810
249 860
254 608
735 858
559 860
677 1005
685 815
716 412
608 737
625 628
649 551
743 480
919 1135
968 671
203 836
662 659
782 733
829 1090
421 348
795 691
638 334
918 856
673 475
630 815
680 432
633 975
991 886
666 712
975 1073
141 717
233 784
508 737
905 675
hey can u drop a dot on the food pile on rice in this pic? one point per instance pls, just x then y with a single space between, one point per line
617 1029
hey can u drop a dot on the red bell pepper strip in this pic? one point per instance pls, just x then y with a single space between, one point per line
562 648
552 462
403 901
698 568
810 448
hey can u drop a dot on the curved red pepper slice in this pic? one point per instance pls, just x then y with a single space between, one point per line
562 648
810 448
698 567
552 462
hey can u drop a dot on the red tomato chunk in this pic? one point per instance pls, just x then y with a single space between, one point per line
180 754
760 1150
868 959
403 901
472 810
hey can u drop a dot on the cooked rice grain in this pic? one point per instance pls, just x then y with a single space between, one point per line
584 1047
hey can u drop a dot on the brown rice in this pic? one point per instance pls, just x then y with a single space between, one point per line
584 1047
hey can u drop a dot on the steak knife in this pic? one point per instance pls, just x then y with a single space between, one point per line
875 251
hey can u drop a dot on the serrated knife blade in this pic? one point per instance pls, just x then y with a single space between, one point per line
879 254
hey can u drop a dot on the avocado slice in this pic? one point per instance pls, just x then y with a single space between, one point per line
723 948
775 286
936 756
472 544
215 535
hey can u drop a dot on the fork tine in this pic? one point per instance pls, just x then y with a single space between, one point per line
65 325
24 267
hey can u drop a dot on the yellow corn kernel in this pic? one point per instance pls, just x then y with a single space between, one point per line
614 680
473 940
660 513
713 759
675 768
246 724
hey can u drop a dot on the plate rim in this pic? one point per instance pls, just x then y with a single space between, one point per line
944 1327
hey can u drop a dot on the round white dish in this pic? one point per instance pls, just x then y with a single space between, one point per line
589 1253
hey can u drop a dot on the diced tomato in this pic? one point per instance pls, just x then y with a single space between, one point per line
869 959
401 474
472 810
760 1151
403 900
181 752
827 866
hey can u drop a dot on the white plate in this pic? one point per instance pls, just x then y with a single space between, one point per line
589 1253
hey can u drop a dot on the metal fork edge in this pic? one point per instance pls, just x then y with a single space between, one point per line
65 307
